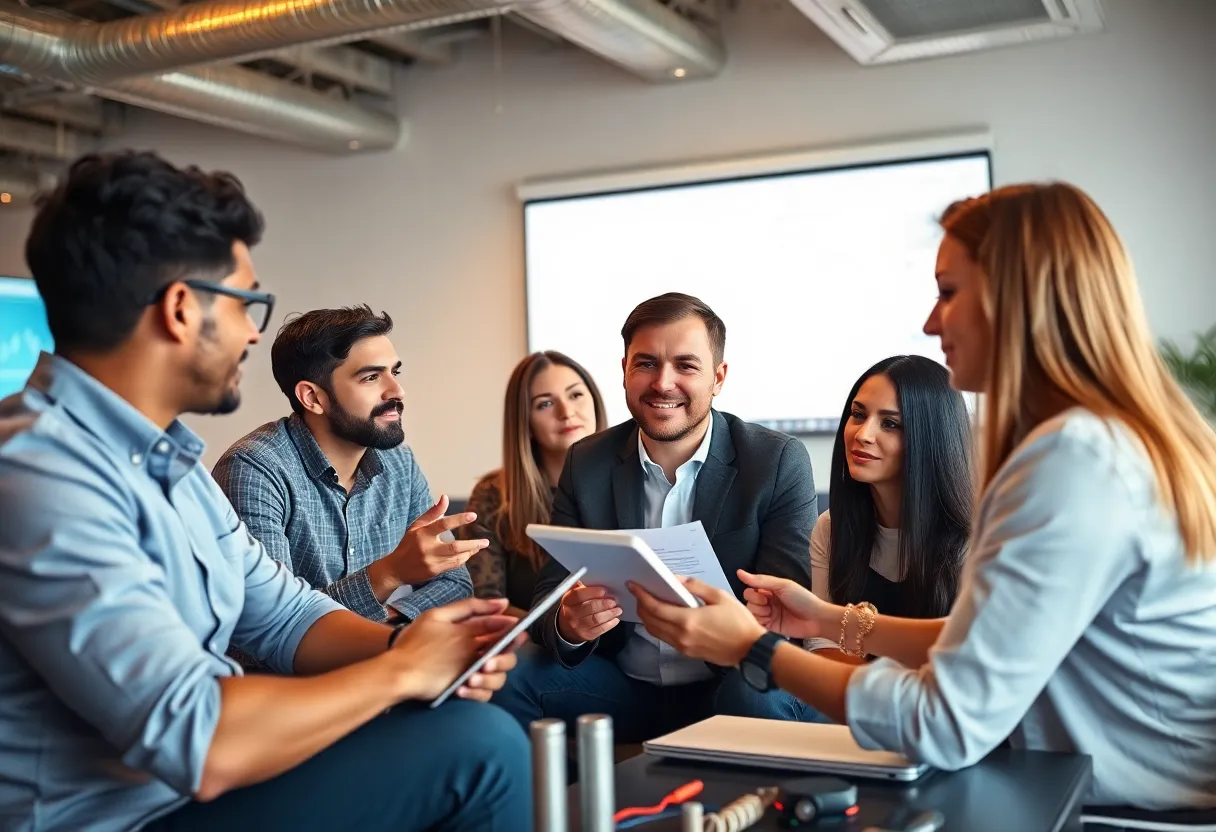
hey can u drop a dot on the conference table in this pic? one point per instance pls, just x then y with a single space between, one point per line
1008 791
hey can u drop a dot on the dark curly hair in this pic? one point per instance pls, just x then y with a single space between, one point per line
119 228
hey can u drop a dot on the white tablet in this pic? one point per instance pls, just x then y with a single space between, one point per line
524 623
611 558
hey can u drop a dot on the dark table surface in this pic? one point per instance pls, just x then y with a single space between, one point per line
1009 791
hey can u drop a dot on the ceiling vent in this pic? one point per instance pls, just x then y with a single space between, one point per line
887 31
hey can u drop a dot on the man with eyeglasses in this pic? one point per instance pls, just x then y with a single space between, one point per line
332 490
126 576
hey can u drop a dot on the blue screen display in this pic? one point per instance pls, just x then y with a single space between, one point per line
23 332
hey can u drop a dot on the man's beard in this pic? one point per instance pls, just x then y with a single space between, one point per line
671 433
366 433
229 397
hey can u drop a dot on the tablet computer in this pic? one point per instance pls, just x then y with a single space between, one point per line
611 558
524 623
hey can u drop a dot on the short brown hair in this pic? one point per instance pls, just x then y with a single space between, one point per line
672 307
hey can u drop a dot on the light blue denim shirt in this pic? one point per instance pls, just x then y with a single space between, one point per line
1079 627
124 576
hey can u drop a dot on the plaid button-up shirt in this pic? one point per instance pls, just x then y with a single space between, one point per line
283 487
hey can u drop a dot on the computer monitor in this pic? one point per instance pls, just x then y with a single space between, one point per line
23 332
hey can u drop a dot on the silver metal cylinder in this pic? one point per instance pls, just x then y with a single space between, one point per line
692 817
597 792
549 812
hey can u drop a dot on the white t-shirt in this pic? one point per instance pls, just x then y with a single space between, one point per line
884 559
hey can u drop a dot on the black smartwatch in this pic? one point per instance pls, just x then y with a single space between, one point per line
757 665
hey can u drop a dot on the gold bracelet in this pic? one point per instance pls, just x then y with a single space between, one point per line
844 624
867 612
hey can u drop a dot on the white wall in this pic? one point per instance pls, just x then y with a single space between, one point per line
433 233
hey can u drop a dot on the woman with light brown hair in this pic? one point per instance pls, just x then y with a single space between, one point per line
1086 617
551 403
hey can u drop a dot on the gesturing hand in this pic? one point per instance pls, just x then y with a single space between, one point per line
422 554
784 606
586 612
442 642
720 632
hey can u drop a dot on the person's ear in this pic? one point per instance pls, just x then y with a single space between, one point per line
719 377
312 397
178 312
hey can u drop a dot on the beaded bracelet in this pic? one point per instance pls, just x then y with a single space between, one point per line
866 613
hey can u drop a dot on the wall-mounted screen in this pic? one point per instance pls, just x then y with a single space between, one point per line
23 332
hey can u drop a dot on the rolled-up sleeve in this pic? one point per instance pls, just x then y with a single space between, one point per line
261 501
89 611
279 607
1053 544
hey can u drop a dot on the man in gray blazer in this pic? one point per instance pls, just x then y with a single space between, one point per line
676 461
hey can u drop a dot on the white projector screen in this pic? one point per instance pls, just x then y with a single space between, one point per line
817 273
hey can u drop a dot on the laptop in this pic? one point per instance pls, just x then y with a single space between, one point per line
791 746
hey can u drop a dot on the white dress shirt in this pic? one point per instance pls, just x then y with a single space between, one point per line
665 504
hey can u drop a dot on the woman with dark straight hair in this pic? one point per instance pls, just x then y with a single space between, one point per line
900 494
551 403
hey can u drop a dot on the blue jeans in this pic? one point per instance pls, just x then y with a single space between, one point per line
542 688
464 765
737 698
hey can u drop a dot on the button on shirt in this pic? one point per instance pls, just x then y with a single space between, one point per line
124 578
644 657
283 487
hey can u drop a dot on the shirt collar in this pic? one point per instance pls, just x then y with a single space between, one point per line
316 463
114 421
694 462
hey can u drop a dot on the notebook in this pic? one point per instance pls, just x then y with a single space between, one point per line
791 746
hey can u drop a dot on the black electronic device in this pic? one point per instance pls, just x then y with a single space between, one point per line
807 800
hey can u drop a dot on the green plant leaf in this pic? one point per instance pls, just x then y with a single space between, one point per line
1196 370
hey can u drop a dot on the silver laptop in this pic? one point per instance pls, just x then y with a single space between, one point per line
792 746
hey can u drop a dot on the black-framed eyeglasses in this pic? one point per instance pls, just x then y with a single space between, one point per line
258 305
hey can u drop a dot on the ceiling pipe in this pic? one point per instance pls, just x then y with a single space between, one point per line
643 36
225 96
146 60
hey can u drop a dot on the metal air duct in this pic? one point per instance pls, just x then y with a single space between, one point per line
643 36
226 96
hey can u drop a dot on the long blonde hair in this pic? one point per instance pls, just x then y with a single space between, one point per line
1067 318
526 491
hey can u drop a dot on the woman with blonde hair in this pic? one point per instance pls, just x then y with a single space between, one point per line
551 403
1086 618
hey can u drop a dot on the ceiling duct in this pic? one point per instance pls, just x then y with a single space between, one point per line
127 60
225 96
250 102
643 36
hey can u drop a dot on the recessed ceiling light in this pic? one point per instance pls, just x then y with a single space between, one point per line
354 144
6 198
679 72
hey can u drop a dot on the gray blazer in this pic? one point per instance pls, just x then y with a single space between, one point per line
755 496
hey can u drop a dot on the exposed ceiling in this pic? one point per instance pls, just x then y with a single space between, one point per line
317 73
321 73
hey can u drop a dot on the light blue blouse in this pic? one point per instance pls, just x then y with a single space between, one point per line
1079 627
